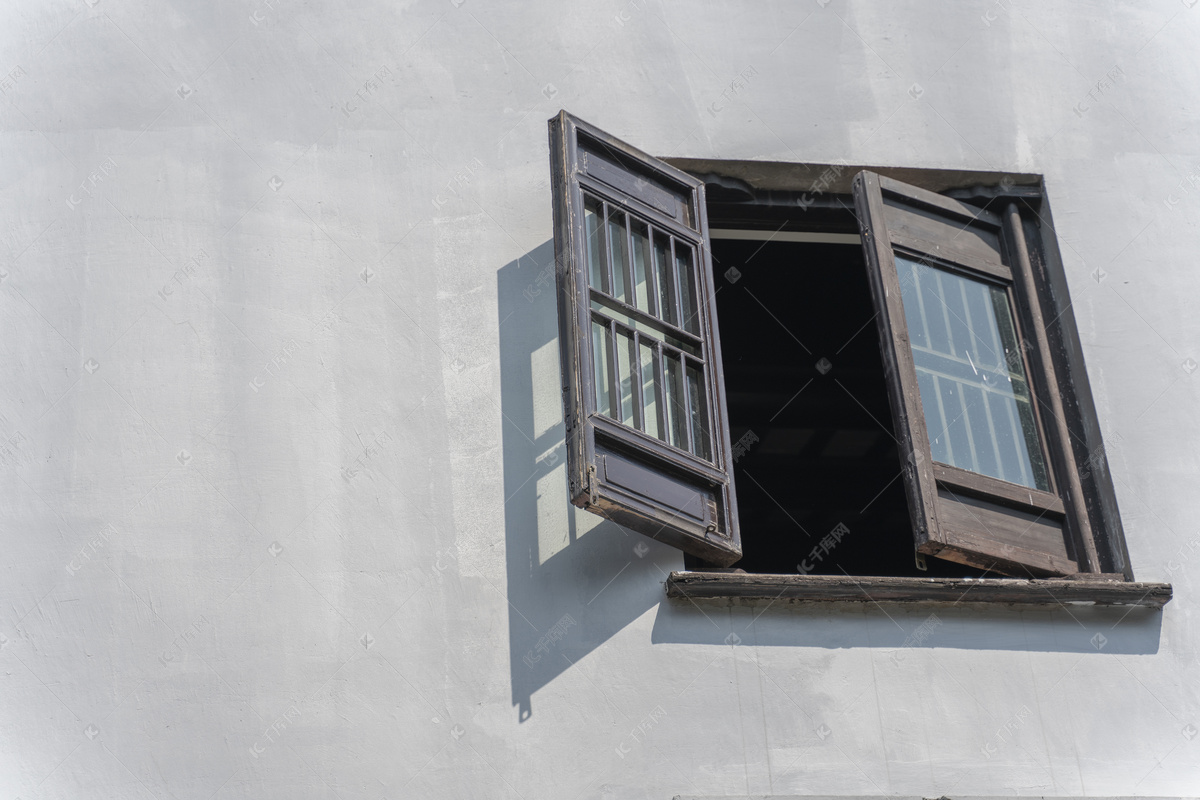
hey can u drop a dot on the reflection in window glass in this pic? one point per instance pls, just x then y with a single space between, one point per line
601 367
643 288
625 376
687 288
971 374
594 244
618 246
662 273
698 412
676 413
650 392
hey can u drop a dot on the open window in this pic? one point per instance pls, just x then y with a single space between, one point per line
956 434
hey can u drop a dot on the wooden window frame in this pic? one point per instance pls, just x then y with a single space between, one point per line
615 470
783 207
958 514
772 197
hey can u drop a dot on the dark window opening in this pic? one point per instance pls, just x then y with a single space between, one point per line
817 466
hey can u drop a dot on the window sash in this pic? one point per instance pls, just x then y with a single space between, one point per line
958 514
647 436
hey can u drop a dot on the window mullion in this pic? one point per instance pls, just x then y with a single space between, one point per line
676 302
614 377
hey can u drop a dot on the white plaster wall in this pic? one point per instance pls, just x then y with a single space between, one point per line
283 511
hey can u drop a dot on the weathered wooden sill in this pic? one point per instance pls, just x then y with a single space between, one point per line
736 585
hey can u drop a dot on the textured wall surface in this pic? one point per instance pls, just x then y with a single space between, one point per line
282 502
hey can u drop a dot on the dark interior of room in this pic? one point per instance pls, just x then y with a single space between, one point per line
808 403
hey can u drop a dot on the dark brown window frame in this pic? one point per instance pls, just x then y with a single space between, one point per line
772 196
616 470
768 196
1026 532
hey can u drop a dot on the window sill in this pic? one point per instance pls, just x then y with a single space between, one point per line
738 585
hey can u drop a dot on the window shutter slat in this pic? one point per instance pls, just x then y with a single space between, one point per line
665 471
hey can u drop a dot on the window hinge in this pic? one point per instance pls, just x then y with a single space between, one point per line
591 484
920 559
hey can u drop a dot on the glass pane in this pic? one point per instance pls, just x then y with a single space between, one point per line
601 367
625 375
662 272
698 414
676 413
618 246
687 287
650 392
594 243
643 289
971 375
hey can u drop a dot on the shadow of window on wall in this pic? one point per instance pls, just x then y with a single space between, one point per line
574 579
